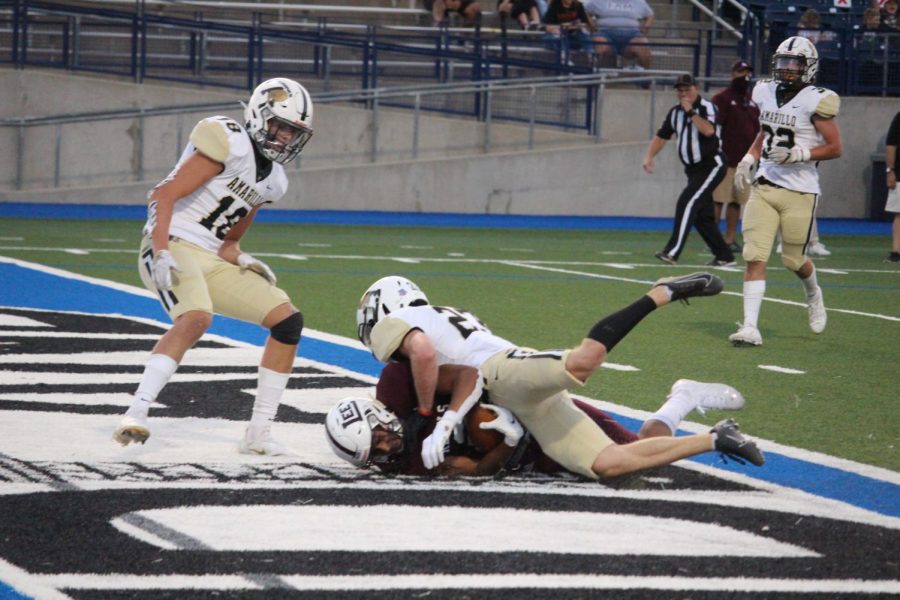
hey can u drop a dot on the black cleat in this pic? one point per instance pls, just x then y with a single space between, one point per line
732 443
695 284
661 255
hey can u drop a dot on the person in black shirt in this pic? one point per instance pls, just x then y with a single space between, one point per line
893 201
693 121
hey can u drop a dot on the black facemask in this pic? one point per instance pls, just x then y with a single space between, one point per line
740 84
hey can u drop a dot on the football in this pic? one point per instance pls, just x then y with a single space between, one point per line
483 440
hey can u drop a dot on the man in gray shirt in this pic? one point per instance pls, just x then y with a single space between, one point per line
622 27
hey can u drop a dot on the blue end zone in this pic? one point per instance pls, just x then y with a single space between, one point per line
75 295
8 593
400 219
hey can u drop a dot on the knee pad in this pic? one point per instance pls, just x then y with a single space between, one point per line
792 256
754 251
288 331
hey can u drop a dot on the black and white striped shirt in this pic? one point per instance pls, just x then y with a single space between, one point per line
693 148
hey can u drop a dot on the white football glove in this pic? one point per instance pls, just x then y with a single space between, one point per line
161 269
438 443
505 423
742 177
245 261
786 156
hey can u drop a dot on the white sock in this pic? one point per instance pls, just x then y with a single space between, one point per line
754 291
811 284
157 373
269 390
674 410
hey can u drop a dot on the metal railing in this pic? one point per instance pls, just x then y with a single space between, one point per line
585 91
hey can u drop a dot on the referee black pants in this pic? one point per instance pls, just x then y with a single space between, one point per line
695 208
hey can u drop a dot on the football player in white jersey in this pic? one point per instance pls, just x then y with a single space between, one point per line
191 256
396 321
798 129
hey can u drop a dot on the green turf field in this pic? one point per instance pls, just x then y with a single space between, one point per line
545 289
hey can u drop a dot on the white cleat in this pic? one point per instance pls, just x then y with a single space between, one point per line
818 249
716 396
747 335
259 440
817 315
132 429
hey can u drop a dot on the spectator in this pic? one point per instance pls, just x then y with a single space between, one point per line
622 26
694 120
468 10
889 15
893 201
810 26
739 124
523 11
568 26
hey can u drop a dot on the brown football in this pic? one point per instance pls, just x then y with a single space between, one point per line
484 440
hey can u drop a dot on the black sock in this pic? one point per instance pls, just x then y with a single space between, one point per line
610 330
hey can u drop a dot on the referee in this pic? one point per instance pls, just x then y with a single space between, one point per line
693 120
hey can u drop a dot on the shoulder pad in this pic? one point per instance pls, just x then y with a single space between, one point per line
829 105
220 138
387 335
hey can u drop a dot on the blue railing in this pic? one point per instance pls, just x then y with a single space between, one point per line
145 45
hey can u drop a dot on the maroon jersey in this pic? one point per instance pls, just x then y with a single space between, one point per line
738 118
396 391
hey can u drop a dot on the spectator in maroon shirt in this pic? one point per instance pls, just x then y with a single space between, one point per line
738 117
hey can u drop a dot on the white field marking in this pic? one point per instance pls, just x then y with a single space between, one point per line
456 254
409 247
832 271
82 335
623 253
798 453
142 535
39 377
778 369
26 583
618 367
93 399
468 581
515 249
411 261
293 256
313 528
318 401
76 251
12 238
623 267
109 240
7 320
529 265
313 245
139 291
117 581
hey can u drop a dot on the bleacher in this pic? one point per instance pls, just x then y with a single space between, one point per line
373 43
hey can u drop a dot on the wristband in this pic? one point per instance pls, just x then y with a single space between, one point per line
889 170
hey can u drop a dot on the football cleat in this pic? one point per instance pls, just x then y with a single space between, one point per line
819 249
817 315
732 443
259 440
717 396
719 262
132 429
747 335
695 284
665 258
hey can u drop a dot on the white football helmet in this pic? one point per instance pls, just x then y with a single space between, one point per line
795 62
278 118
387 295
349 425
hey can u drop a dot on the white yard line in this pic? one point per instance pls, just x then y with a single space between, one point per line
778 369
